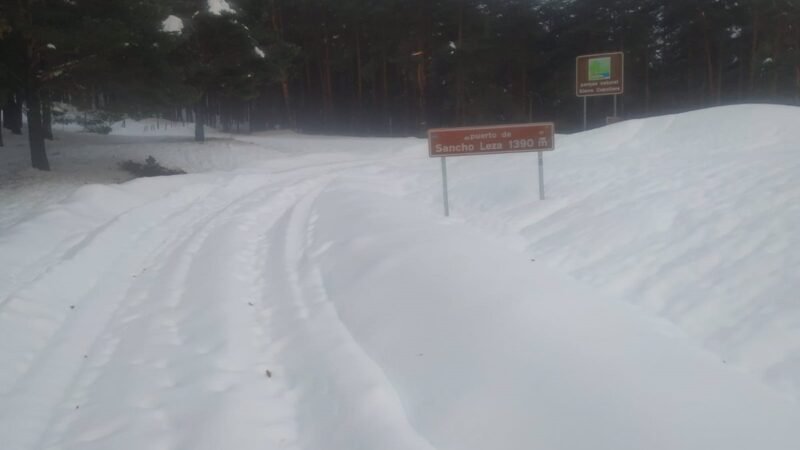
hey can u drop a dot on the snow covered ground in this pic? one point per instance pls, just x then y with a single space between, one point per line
301 292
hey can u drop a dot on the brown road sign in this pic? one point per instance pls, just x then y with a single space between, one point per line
600 74
533 137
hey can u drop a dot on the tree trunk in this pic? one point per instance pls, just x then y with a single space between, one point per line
287 103
374 90
249 116
689 74
740 81
647 91
33 90
709 58
773 85
797 75
718 93
423 46
47 117
523 92
35 129
796 85
460 91
224 116
754 51
359 74
328 77
276 20
385 76
199 120
407 113
308 92
777 55
422 88
1 129
12 113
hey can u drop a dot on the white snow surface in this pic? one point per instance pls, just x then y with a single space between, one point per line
217 7
305 292
172 24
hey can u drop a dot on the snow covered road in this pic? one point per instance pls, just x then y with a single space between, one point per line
319 301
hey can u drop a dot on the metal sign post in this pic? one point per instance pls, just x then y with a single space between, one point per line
598 75
585 114
444 186
449 142
541 176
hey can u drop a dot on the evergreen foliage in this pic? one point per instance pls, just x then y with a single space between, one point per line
386 66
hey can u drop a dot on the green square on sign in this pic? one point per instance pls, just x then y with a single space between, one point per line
600 69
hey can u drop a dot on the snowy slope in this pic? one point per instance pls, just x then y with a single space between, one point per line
693 217
305 292
490 350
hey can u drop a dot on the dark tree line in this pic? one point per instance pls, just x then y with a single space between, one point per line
390 67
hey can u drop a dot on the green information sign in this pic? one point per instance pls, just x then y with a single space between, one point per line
599 74
600 69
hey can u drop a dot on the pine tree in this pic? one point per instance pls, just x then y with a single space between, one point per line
216 55
64 46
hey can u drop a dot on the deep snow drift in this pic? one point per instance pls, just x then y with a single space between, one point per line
305 292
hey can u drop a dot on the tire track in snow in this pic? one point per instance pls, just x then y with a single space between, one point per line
168 270
30 406
345 400
31 400
39 266
225 369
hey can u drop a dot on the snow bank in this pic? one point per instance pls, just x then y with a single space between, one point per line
490 350
692 216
